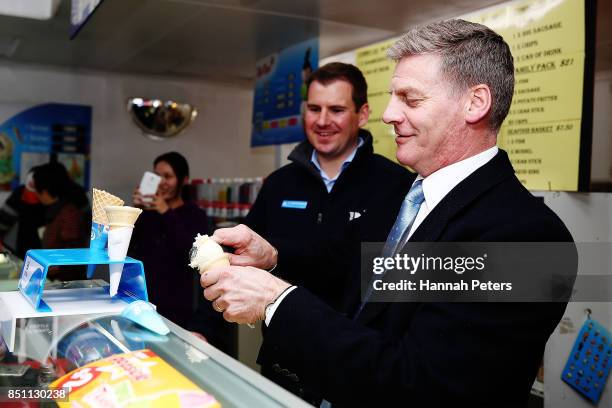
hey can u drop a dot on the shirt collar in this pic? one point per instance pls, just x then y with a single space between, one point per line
438 184
347 161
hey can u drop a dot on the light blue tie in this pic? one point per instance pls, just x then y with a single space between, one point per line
403 223
399 233
397 237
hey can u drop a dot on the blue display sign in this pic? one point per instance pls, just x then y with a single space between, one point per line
132 286
41 133
280 92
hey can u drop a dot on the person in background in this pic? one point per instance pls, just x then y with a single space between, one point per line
23 210
311 209
67 214
162 238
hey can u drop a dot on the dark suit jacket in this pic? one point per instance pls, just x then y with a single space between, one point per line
429 354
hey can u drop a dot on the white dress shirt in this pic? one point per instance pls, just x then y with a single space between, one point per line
330 182
438 184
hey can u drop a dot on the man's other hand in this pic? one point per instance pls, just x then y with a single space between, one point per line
250 249
241 293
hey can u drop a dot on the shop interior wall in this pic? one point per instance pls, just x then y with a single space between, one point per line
217 144
588 216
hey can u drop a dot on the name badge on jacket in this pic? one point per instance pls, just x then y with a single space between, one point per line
298 205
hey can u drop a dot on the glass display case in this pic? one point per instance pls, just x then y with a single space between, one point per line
49 347
10 266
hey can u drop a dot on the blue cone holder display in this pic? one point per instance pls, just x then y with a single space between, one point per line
98 241
38 261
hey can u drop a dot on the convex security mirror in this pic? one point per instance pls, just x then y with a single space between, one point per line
160 120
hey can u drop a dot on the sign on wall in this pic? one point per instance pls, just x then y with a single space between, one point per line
280 92
547 133
36 135
377 69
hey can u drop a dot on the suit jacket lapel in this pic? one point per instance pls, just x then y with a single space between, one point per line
431 229
492 173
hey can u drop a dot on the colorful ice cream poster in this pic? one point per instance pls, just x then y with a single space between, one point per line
279 94
135 379
31 136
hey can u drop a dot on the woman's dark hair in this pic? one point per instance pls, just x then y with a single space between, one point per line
54 178
181 170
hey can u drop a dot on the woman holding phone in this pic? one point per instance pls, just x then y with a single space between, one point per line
162 238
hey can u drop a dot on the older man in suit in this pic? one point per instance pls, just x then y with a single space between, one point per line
450 92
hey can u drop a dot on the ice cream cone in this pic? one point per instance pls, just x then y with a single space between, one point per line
99 224
118 244
121 216
223 260
102 199
115 272
206 254
121 221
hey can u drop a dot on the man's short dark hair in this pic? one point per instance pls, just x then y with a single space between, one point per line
338 71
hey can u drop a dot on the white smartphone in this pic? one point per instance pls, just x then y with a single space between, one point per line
149 184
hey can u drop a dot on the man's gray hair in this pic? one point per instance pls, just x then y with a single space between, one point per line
470 54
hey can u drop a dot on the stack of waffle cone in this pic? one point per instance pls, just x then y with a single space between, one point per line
102 199
121 216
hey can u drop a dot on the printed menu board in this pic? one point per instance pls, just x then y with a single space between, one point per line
378 69
544 131
547 133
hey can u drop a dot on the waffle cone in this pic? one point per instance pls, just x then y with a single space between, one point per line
102 199
222 260
121 216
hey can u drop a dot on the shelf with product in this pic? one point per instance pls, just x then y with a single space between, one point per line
178 369
10 266
227 201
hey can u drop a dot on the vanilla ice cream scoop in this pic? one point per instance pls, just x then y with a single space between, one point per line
206 253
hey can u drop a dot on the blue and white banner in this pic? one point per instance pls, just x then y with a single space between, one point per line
33 135
280 92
